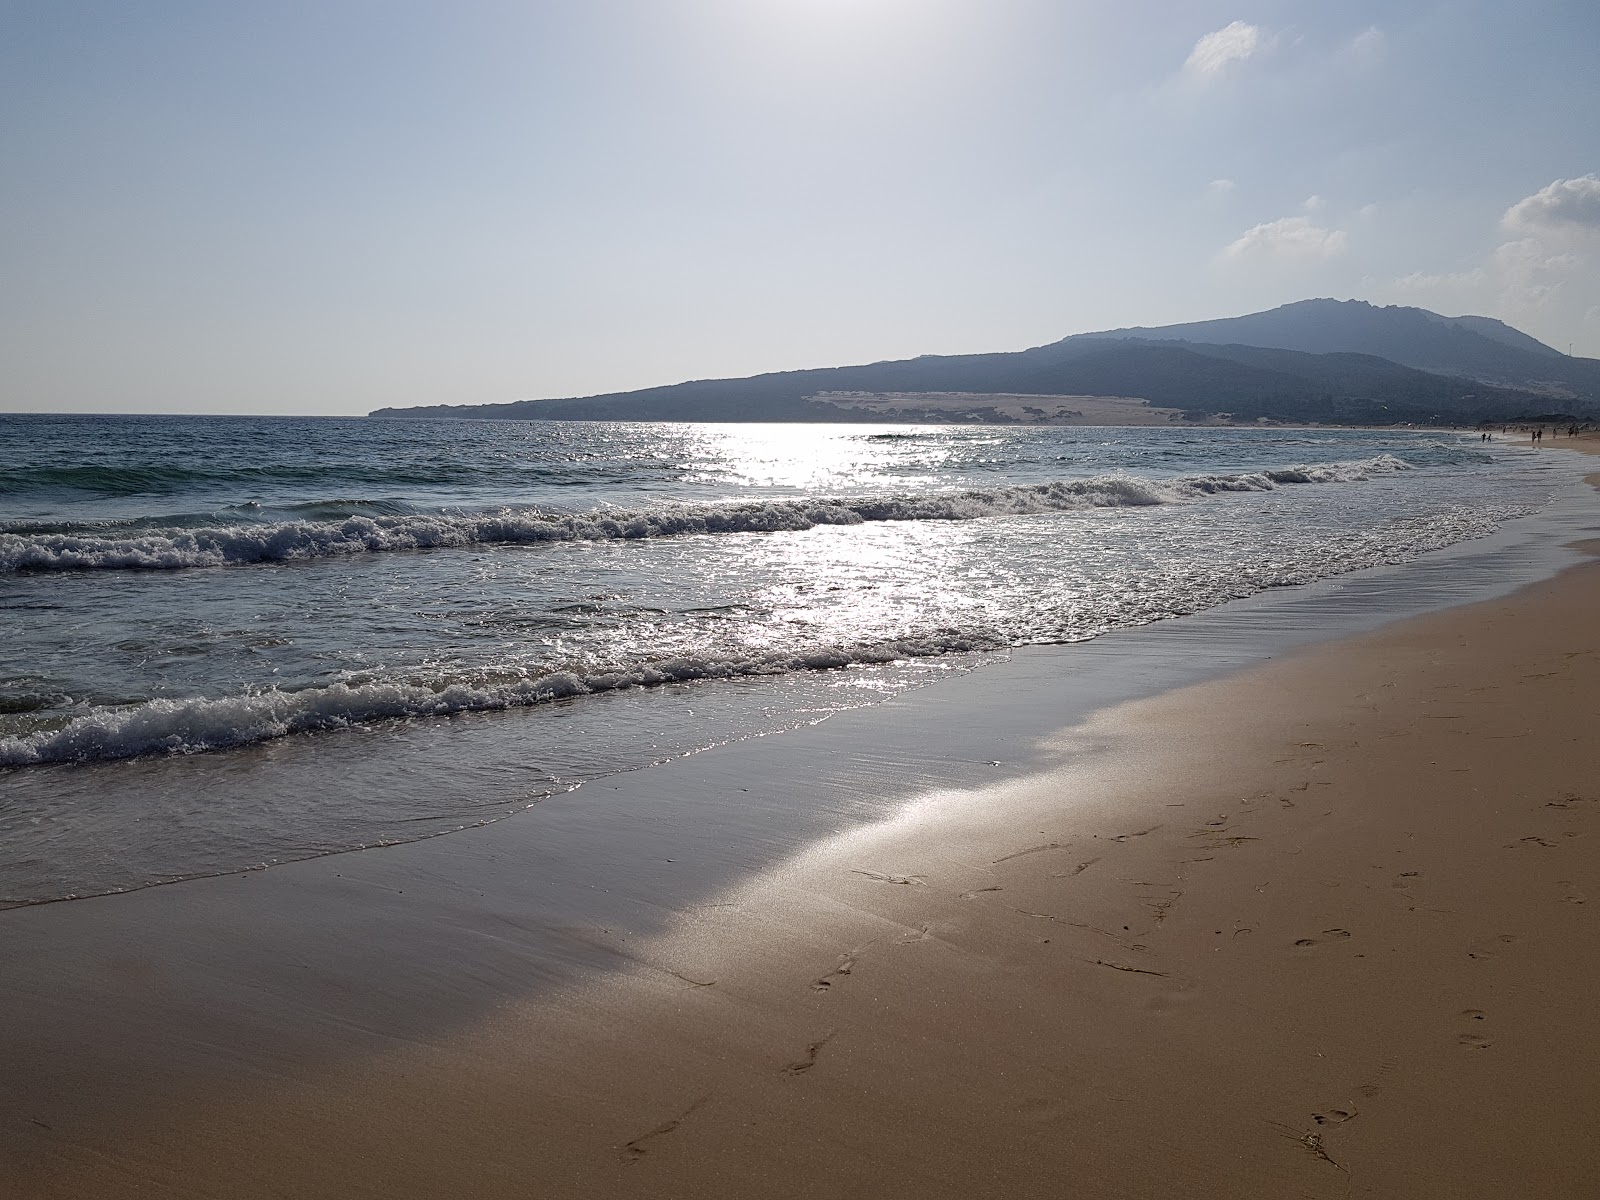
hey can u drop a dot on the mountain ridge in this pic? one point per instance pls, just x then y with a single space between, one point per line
1313 360
1477 347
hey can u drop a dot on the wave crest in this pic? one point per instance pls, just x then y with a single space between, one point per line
173 549
168 727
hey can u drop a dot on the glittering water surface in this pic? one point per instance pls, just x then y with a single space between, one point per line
328 601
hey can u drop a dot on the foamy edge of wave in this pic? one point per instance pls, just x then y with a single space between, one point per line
301 540
175 727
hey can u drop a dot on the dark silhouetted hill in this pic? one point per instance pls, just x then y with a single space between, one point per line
1319 360
1477 347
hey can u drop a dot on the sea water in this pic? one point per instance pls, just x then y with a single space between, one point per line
226 642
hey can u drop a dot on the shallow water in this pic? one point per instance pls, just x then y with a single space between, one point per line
337 610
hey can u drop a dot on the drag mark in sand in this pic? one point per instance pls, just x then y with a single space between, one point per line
883 878
1311 1140
1123 837
1160 908
1100 962
692 982
1082 867
1028 912
1030 850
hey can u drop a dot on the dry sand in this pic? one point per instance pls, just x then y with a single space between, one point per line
1324 928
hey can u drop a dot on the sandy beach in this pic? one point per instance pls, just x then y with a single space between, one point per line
1318 928
855 600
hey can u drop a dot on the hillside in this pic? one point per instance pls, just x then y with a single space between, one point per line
1333 373
1477 347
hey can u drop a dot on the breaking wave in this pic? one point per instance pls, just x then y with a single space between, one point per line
171 727
172 549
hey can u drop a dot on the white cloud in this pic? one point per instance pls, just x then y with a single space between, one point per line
1552 235
1288 239
1530 272
1219 188
1368 211
1566 204
1543 272
1421 281
1216 52
1367 47
1312 203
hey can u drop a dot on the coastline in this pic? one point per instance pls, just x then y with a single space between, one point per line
907 1029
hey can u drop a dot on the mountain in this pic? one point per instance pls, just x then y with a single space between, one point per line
1318 360
1476 347
1499 331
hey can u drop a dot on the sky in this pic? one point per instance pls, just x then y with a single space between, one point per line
333 206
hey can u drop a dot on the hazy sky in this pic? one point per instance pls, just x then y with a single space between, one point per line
325 207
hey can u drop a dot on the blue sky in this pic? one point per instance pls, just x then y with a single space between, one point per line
326 207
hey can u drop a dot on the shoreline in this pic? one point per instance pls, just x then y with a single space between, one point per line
412 764
218 1011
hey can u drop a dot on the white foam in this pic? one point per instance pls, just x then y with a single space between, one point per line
194 726
181 548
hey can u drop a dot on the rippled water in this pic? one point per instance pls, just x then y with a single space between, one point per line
170 586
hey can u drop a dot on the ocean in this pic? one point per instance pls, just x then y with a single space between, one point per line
229 642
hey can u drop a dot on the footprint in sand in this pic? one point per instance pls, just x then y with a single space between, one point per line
1474 1042
1568 800
1385 1069
1336 1116
1488 949
1570 893
801 1065
1474 1014
1332 934
825 982
637 1148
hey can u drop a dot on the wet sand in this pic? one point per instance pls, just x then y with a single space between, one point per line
1322 927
